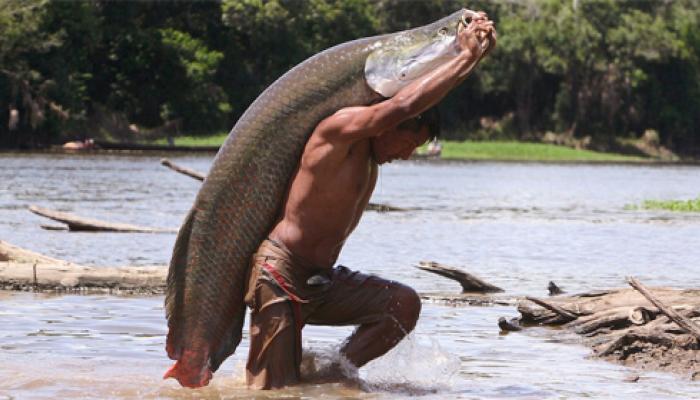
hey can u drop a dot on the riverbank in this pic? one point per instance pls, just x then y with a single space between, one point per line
476 150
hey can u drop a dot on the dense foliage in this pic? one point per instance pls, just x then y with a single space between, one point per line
607 69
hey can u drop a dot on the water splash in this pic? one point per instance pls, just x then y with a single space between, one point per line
328 365
415 366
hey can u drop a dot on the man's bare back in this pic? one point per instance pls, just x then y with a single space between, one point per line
327 196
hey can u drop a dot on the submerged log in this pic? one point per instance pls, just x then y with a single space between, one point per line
509 326
622 326
553 289
76 223
379 207
470 283
468 299
200 177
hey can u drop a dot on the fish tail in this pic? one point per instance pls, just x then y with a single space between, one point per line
176 288
191 370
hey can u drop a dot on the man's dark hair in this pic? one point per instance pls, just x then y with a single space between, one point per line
429 118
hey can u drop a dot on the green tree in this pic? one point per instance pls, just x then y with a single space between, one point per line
24 89
267 38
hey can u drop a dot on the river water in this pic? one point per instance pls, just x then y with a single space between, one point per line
518 225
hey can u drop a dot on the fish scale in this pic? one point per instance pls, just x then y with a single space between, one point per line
240 199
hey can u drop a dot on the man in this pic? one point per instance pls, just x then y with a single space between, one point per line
292 280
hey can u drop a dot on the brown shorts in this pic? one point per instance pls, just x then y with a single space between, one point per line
284 293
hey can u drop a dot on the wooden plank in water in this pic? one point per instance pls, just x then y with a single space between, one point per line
76 223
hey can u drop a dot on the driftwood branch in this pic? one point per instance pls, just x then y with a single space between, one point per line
469 282
621 325
76 223
182 170
568 316
196 175
685 323
615 318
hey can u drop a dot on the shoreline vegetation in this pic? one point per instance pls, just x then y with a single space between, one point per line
691 205
471 150
195 67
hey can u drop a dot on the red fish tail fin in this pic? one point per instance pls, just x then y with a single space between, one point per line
191 370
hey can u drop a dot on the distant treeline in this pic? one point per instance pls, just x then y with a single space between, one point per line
607 69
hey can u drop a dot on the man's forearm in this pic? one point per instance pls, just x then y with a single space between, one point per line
434 86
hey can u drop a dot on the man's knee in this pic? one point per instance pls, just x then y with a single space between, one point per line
405 307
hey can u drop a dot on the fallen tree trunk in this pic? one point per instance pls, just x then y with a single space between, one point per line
469 282
634 327
76 223
22 269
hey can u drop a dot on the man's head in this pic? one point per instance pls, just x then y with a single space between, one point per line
402 141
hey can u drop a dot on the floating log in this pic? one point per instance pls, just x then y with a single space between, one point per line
622 326
185 171
200 177
469 282
22 269
76 223
54 227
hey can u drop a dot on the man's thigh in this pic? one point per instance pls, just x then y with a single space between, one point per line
353 298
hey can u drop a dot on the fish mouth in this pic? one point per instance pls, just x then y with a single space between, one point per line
408 55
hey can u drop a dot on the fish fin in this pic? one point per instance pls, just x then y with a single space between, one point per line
191 370
176 287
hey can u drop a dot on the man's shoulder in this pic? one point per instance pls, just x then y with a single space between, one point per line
349 124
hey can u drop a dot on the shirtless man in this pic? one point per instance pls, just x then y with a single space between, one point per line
292 281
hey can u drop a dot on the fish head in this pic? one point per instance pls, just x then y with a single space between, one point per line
401 58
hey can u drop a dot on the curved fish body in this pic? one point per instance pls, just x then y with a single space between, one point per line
241 197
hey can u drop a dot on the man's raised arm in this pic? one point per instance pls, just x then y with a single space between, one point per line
354 123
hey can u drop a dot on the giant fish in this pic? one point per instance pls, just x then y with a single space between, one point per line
241 197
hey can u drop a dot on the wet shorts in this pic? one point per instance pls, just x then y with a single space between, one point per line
285 292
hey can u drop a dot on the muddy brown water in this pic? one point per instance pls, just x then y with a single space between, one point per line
516 225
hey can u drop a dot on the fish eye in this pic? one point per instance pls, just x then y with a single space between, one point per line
442 31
